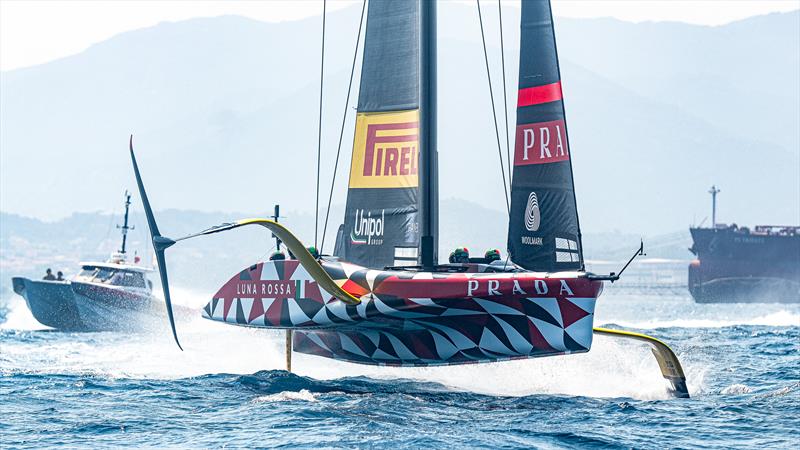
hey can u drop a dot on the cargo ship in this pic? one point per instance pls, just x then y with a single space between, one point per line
736 264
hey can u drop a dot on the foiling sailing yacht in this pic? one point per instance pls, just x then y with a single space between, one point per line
383 298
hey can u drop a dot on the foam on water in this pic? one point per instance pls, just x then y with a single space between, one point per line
651 312
782 318
19 317
610 369
68 388
736 389
287 396
218 348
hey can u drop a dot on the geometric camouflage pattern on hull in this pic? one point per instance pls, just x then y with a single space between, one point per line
408 318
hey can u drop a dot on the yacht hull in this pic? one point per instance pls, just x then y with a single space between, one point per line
410 318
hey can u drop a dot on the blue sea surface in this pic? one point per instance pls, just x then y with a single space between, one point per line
111 390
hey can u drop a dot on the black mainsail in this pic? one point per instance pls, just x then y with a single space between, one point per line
381 224
543 231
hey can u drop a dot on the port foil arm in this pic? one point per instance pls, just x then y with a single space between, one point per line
667 361
297 249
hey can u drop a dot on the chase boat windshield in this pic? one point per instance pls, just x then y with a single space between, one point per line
114 275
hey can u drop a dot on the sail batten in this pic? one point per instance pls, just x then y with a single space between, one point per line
543 233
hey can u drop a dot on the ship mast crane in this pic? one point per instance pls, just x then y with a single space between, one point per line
714 191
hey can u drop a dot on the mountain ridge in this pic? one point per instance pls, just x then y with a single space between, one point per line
247 132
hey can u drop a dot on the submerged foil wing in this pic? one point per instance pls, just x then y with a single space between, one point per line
543 233
381 217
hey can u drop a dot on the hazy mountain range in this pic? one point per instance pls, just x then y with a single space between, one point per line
224 112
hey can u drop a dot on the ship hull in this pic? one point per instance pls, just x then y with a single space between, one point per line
414 318
745 290
52 303
75 306
115 309
733 266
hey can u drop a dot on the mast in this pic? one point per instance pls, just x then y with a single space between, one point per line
713 191
428 174
125 226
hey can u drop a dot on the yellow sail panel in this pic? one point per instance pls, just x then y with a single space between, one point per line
386 150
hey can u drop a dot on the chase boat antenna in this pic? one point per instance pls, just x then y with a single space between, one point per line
125 226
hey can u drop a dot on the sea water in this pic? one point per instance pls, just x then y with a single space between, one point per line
228 388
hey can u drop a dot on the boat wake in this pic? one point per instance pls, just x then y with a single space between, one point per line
287 396
612 369
782 318
18 317
736 389
15 315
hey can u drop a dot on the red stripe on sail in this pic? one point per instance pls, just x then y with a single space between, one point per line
539 94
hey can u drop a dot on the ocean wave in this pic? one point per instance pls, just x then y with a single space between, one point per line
782 391
286 396
736 389
17 316
781 318
610 369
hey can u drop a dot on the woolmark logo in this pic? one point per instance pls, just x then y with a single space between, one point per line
367 229
532 215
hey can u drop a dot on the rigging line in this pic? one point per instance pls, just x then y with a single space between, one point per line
319 130
505 112
494 110
505 96
344 121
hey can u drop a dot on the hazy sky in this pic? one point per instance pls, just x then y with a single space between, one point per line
37 31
